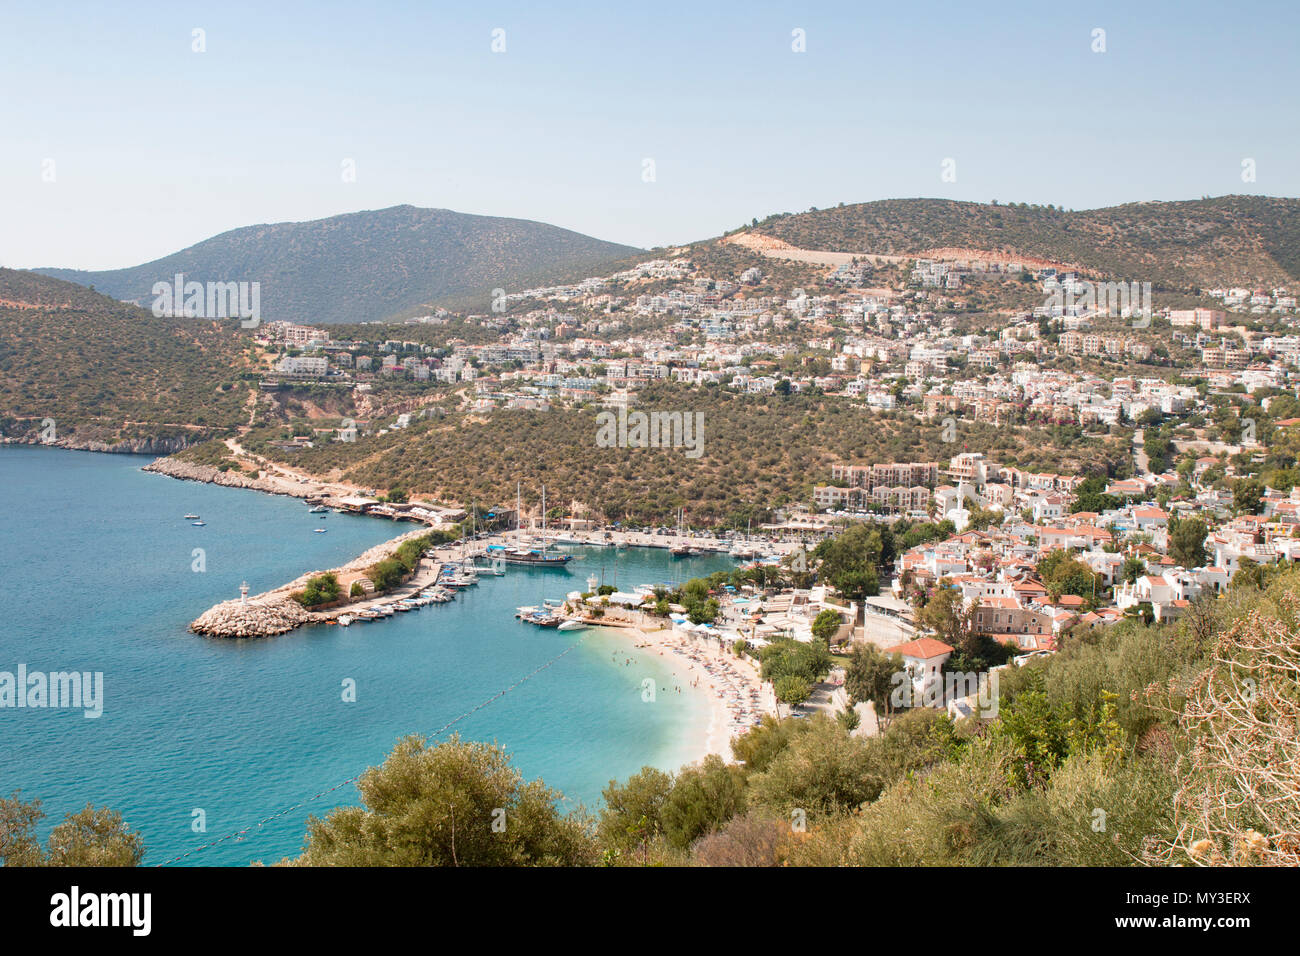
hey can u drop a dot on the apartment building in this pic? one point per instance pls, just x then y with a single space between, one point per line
892 474
303 366
1207 319
1004 615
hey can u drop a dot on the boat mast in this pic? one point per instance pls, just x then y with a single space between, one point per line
464 539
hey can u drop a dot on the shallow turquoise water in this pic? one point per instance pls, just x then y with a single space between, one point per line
96 561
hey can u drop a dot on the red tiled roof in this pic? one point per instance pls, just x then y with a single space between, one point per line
923 648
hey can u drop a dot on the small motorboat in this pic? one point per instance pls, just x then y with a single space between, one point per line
198 524
345 619
319 531
191 517
573 626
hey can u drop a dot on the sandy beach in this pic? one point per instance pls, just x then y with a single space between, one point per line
736 693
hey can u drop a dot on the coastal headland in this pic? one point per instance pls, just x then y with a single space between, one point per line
276 612
269 481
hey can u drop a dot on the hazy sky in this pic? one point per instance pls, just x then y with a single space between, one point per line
152 147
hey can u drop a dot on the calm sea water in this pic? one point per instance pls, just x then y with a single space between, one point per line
97 564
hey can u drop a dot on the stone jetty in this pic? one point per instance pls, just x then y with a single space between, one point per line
275 612
256 618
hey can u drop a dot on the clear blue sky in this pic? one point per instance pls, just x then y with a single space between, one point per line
156 147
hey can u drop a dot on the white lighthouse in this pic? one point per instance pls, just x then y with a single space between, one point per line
243 593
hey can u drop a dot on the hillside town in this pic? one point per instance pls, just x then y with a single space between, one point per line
617 438
883 347
911 337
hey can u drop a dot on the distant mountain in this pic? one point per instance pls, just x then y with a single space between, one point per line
1242 240
366 265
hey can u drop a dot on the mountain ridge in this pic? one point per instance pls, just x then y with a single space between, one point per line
363 266
1195 243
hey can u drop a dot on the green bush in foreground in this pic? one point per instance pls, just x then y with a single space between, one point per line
453 804
90 837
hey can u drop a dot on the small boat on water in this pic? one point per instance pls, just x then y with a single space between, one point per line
198 524
573 626
318 510
320 531
495 565
540 616
683 551
536 559
345 619
191 517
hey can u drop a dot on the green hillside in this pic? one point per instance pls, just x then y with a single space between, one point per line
108 372
755 451
1247 240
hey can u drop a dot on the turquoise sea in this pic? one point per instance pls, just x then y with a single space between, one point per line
97 568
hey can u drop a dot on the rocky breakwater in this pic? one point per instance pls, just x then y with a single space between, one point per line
275 612
255 618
